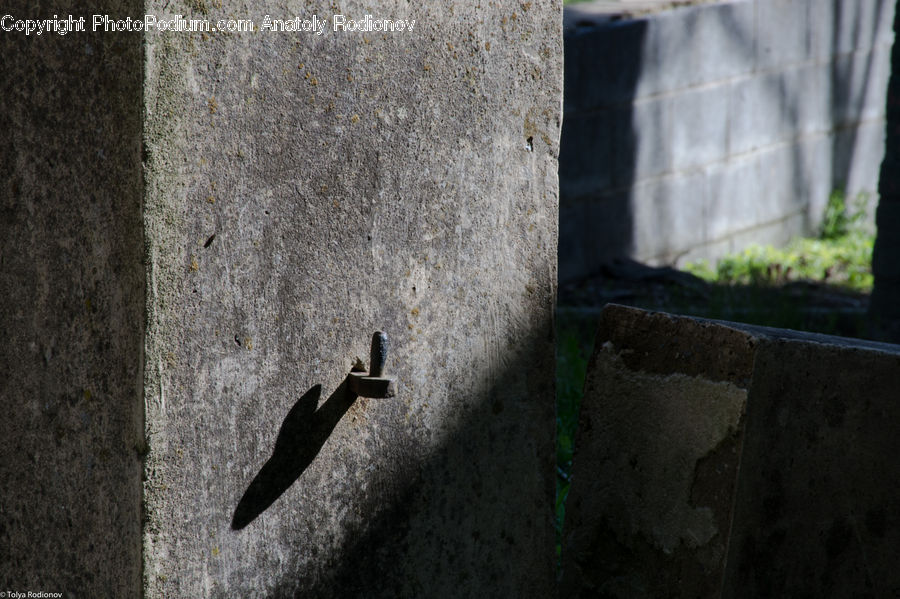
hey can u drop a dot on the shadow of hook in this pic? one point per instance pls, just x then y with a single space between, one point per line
300 438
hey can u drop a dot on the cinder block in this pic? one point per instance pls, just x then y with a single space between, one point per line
817 158
668 57
603 63
857 157
719 459
876 85
776 233
644 145
710 251
700 121
884 21
733 192
783 35
807 94
695 45
783 183
822 25
858 25
859 86
846 26
725 41
777 106
590 152
593 231
761 112
667 216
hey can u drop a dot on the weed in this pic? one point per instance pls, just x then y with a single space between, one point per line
839 221
840 256
574 346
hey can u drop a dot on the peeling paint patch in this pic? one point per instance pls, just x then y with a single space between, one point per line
657 430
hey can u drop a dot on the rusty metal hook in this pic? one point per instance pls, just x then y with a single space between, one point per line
375 383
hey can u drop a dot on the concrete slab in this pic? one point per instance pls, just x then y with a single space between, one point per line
814 496
72 313
725 460
304 191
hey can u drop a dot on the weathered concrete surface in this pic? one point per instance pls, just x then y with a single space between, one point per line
724 460
72 285
817 498
657 449
353 182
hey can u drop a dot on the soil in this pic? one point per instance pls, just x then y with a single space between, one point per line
802 305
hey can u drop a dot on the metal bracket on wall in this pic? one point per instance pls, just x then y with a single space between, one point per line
376 383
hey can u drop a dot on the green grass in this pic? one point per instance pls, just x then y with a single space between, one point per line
840 256
842 262
572 353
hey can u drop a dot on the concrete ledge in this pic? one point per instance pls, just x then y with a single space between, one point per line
718 459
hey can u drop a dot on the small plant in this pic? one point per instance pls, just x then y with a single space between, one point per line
839 220
572 353
840 256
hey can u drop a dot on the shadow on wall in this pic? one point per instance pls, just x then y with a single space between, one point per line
598 144
303 432
855 86
458 520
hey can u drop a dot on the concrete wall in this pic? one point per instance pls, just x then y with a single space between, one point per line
200 233
718 459
692 132
72 310
353 181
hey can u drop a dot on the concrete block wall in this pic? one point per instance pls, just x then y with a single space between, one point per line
693 131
